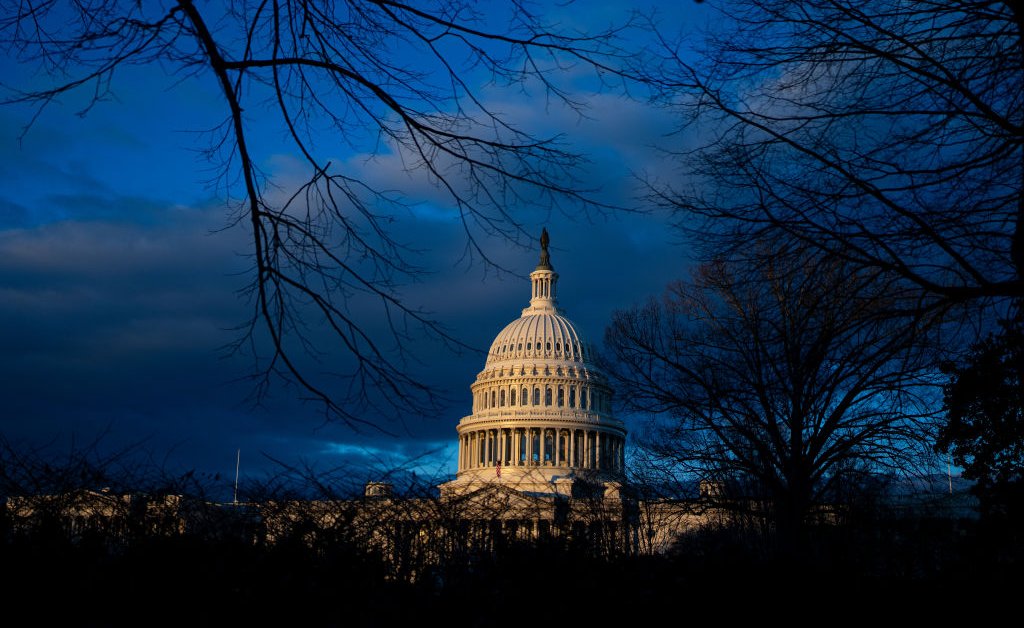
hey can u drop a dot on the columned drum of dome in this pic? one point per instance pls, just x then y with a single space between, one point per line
541 414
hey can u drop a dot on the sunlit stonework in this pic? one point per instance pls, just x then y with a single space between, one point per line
542 415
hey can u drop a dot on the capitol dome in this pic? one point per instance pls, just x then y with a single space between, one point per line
541 409
537 336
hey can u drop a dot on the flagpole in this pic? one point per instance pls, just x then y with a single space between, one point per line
949 472
238 462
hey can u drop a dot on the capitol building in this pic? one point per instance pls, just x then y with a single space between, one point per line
540 456
541 418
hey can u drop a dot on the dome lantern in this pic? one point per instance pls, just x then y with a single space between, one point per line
543 279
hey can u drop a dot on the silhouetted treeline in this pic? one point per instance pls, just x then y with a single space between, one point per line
349 557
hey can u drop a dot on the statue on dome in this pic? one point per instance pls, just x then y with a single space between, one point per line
545 257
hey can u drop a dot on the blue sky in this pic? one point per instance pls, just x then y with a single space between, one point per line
118 279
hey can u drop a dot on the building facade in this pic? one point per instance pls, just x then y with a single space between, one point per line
541 417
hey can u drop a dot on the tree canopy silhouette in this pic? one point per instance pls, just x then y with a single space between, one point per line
984 401
787 379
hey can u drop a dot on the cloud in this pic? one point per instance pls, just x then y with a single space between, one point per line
117 289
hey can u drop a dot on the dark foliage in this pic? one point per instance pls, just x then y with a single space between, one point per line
984 401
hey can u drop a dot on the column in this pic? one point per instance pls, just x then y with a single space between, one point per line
542 442
597 449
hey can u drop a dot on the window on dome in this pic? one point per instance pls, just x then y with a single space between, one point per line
493 399
528 346
561 396
525 397
572 397
536 396
520 346
548 346
547 396
512 397
558 347
501 398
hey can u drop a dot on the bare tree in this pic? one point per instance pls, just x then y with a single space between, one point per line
888 133
777 382
406 76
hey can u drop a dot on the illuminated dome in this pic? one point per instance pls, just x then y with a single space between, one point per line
538 337
541 410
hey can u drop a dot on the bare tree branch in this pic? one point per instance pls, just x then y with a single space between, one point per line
345 72
888 134
792 374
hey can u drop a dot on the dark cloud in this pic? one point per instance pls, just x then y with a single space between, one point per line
13 215
119 289
117 327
